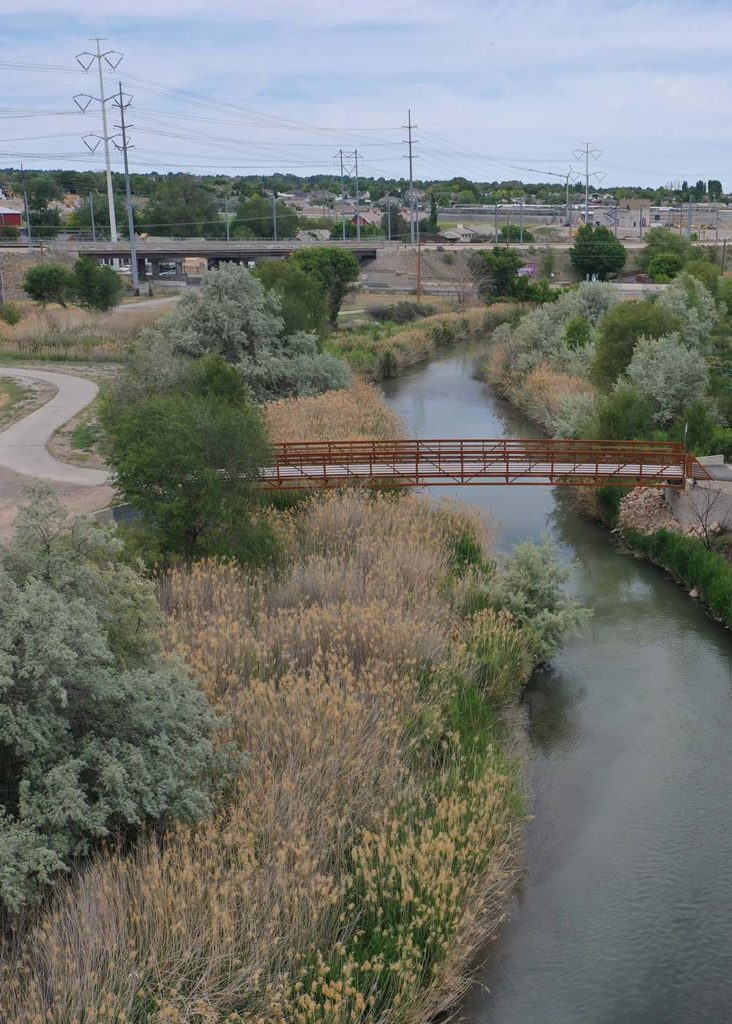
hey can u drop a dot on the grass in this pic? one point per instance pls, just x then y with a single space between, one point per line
11 395
366 850
358 412
62 335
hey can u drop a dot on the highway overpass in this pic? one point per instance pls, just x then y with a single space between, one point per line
151 255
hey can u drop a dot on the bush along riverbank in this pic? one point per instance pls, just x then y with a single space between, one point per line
386 350
589 366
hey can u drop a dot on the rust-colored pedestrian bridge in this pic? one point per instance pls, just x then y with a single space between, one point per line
483 461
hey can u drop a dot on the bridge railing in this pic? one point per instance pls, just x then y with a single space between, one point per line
445 461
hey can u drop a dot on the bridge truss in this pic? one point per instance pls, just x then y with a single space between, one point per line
482 461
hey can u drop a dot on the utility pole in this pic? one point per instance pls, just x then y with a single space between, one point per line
495 223
343 197
112 58
28 221
274 216
350 171
587 153
409 126
521 223
388 216
123 104
91 210
690 217
640 224
226 215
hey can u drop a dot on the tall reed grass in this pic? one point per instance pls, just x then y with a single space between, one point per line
357 412
73 334
367 846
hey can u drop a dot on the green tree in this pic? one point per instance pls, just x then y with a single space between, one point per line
578 332
82 218
495 272
234 316
514 233
183 206
664 266
189 462
624 415
597 251
714 188
255 215
703 270
669 373
619 331
432 221
49 282
334 269
96 287
303 305
662 242
100 733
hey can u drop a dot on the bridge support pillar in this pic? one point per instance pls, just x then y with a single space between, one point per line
142 268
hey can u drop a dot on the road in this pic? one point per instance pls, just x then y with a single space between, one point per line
23 444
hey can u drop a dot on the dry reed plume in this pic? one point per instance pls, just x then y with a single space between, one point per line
364 850
358 412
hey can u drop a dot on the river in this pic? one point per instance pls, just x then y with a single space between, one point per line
625 912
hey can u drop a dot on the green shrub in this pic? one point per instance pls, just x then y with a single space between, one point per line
664 266
529 587
10 314
402 312
100 734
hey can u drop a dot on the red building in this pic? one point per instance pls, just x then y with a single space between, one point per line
10 218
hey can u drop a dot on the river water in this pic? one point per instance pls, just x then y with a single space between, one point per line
625 913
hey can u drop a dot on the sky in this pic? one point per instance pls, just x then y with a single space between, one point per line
498 90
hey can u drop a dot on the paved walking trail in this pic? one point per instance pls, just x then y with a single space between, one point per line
23 444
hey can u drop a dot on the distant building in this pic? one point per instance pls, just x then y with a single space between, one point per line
10 218
459 234
366 220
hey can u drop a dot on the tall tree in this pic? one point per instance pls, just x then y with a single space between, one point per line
495 272
619 332
255 218
597 251
335 269
183 207
189 461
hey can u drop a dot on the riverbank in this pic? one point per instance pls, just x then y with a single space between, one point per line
382 351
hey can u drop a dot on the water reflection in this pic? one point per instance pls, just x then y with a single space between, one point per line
553 703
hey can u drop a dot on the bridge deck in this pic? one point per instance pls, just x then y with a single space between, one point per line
502 461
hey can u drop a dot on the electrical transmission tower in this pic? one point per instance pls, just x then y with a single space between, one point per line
587 153
122 102
112 59
410 127
349 170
